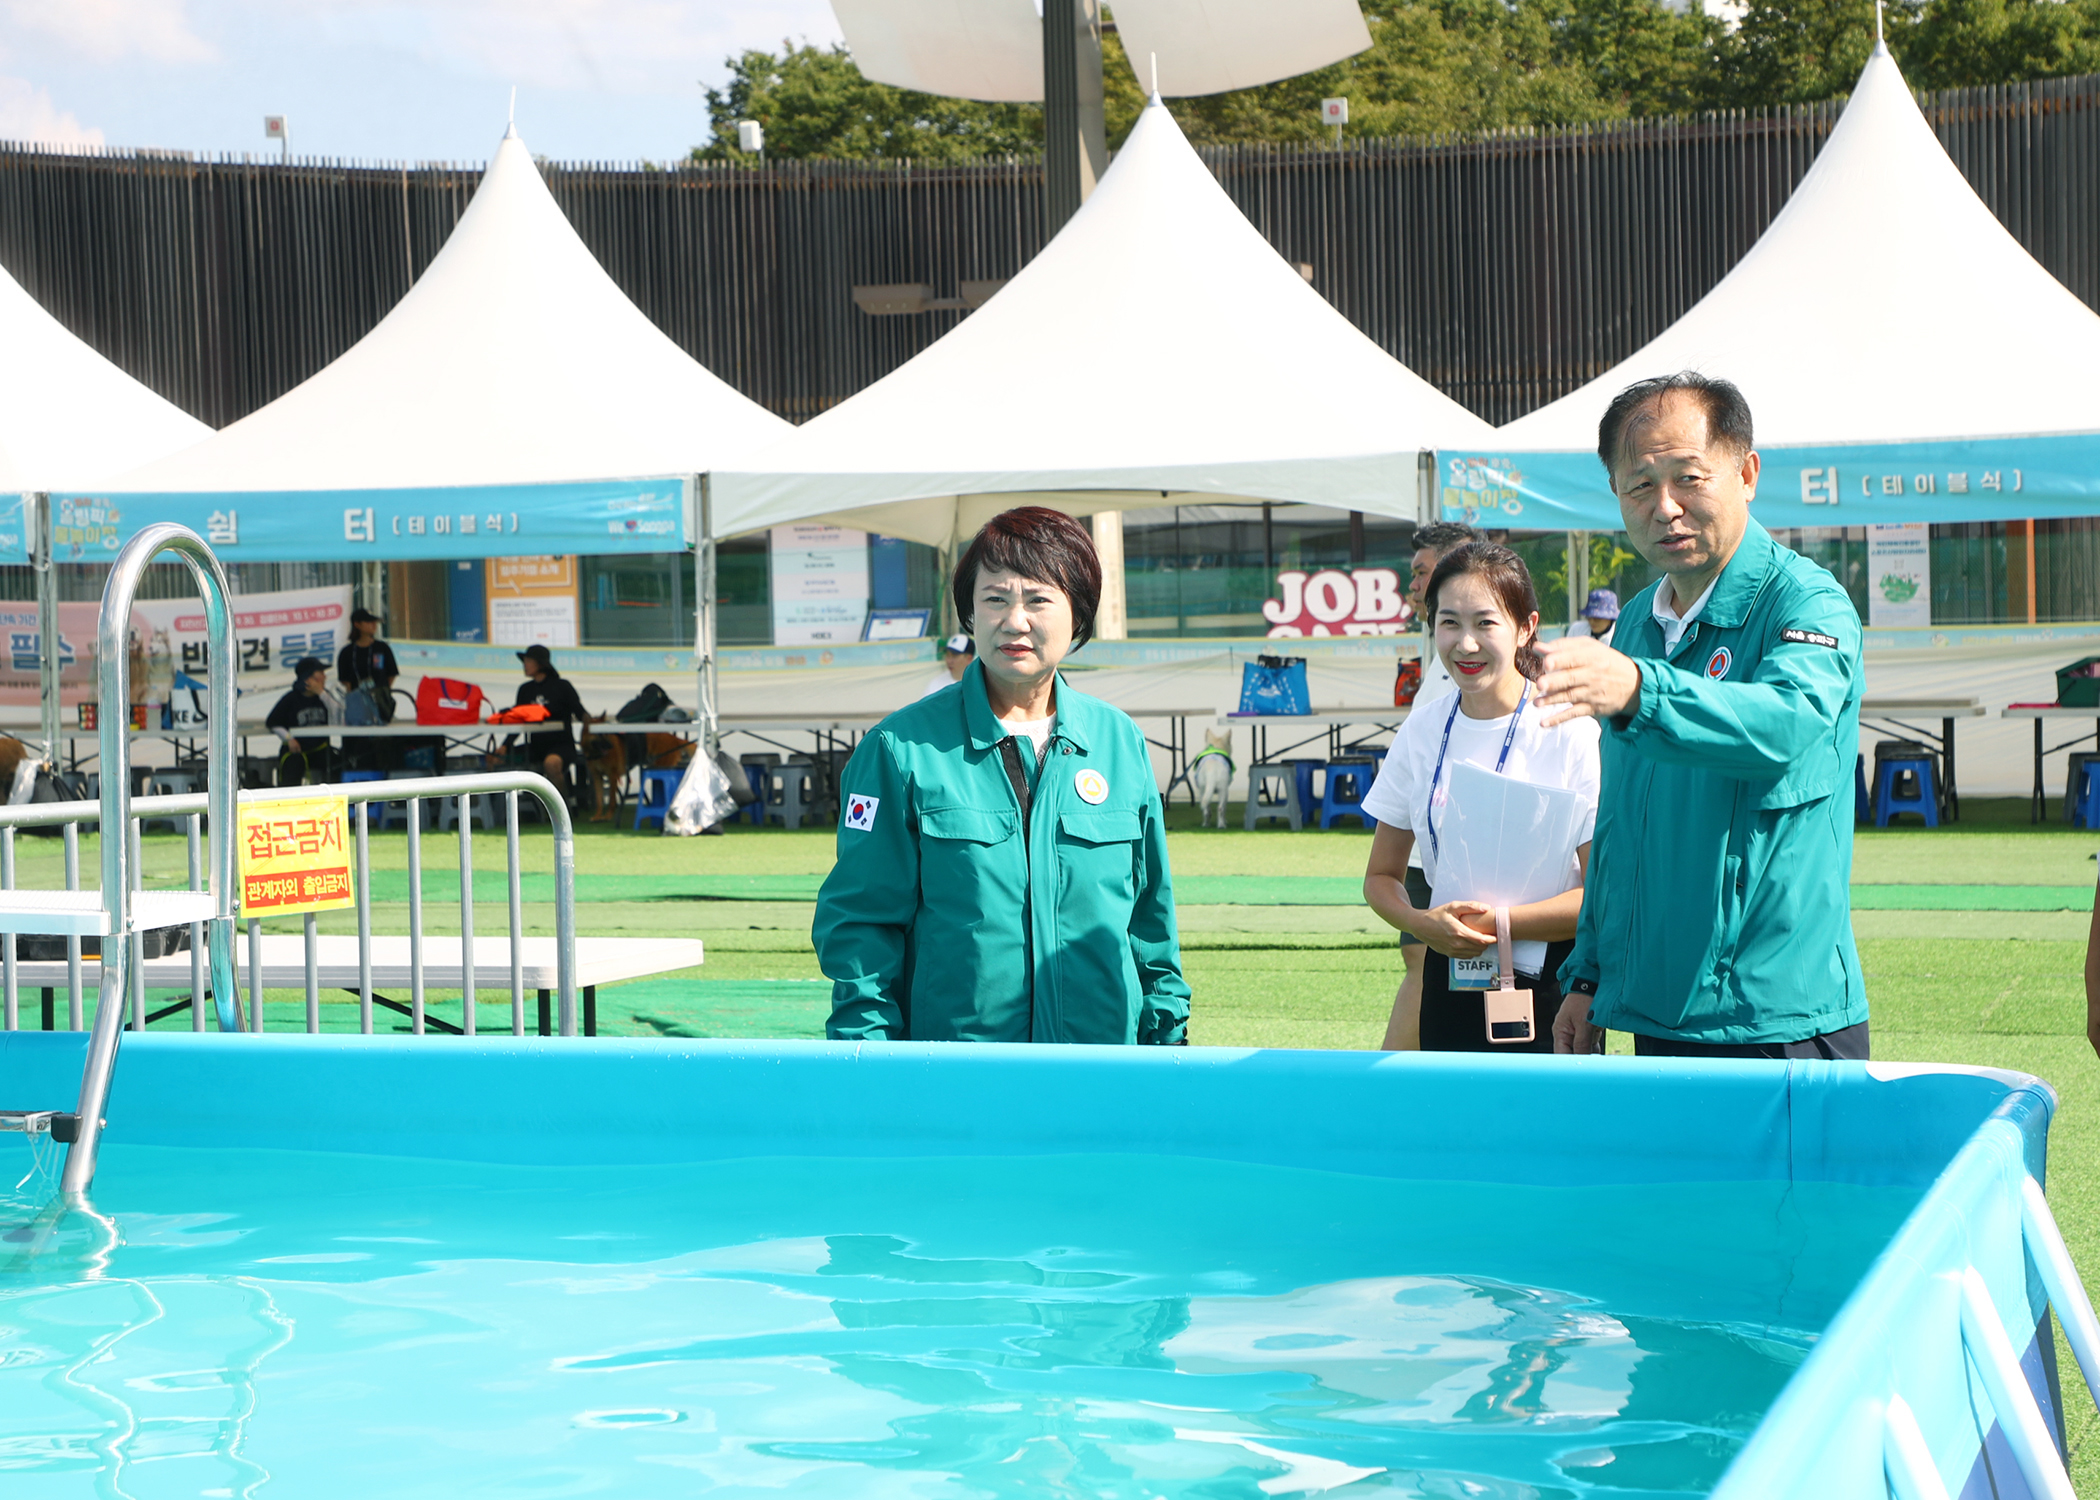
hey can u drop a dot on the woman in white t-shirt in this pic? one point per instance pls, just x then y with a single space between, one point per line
1484 620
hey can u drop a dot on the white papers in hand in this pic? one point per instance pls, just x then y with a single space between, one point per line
1507 843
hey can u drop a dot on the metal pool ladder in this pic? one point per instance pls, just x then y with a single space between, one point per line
118 914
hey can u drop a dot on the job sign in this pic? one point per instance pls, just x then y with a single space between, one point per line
1367 601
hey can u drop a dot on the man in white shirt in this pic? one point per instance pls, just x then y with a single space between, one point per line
1403 1033
956 656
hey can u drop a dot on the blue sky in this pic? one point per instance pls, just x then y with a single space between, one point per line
392 80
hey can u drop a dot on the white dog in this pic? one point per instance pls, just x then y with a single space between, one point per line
1210 773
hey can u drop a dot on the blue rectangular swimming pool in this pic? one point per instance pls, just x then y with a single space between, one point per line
359 1267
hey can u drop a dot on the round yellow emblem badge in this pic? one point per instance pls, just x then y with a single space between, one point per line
1092 787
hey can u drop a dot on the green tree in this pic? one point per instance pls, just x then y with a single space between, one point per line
1450 66
1963 43
1799 51
814 102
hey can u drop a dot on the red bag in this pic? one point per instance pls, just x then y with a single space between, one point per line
524 713
441 700
1408 682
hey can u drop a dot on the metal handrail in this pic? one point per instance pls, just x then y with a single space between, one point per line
119 953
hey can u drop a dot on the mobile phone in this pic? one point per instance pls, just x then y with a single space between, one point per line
1508 1016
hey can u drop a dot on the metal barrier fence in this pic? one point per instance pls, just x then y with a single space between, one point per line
189 809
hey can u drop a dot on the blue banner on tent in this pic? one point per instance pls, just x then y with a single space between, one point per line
525 520
14 538
1983 479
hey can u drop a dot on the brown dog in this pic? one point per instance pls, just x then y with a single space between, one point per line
606 756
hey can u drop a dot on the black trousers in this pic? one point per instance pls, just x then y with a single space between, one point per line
1456 1020
1848 1043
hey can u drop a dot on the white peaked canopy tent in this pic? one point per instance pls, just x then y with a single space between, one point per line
1157 348
513 361
67 415
515 402
1906 360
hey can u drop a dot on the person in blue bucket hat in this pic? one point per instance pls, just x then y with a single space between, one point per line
1602 611
1002 858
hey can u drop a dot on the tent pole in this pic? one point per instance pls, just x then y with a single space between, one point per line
48 642
1112 623
704 620
1427 510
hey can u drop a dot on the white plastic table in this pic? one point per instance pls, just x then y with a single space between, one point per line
1333 726
2040 714
599 960
1892 710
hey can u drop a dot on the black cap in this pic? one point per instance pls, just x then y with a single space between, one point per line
537 652
363 617
306 666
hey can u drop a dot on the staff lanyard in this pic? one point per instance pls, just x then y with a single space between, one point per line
1436 847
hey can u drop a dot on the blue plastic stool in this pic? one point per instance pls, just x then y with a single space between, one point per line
1888 772
381 811
1862 804
1343 796
1308 803
2087 812
651 806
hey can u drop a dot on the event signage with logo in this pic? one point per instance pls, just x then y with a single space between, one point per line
295 856
168 643
438 523
533 600
1899 576
1361 601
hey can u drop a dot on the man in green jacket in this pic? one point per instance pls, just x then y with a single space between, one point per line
1717 918
1003 877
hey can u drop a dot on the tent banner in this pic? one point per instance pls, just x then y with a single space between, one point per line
584 518
14 529
1864 484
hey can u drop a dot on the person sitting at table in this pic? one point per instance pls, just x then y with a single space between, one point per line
306 757
1484 617
551 751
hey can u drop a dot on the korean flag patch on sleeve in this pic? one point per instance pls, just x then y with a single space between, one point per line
860 813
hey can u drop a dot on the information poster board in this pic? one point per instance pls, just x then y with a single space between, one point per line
534 600
820 584
1899 577
295 856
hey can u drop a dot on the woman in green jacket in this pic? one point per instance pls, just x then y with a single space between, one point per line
1002 865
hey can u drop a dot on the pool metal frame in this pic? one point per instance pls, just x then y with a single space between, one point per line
1935 1377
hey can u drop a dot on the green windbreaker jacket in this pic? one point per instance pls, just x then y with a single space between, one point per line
1718 904
951 917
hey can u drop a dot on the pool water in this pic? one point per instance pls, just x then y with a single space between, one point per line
315 1325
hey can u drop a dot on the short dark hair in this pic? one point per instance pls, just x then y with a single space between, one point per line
1507 576
1727 413
1442 536
1039 543
306 666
